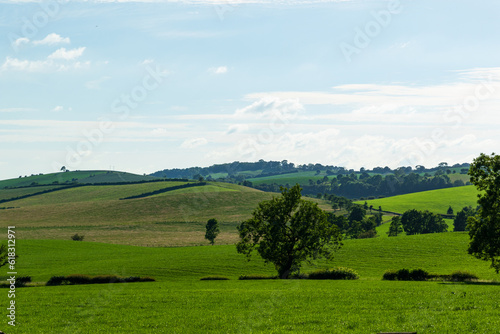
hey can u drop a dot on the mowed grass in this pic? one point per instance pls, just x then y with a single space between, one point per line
436 201
180 303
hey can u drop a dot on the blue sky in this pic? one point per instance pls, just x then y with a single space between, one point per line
142 86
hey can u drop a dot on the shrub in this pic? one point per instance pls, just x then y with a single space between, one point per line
22 280
334 273
56 280
462 276
214 278
77 237
419 275
78 279
403 275
247 277
390 275
367 234
103 279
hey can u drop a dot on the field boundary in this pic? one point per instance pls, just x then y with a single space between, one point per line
164 190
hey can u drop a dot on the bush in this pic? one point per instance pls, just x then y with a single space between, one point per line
419 275
77 237
334 273
100 279
390 275
78 279
367 234
214 278
462 276
247 277
403 275
22 280
56 280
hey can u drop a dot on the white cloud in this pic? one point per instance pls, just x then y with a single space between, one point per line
218 70
193 143
17 109
62 53
146 62
58 109
52 39
271 106
21 40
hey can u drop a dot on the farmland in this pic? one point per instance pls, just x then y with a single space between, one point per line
128 238
436 201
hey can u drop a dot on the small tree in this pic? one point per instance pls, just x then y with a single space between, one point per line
396 227
212 230
450 211
288 230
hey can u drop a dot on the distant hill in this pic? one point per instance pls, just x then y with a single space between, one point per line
80 177
325 179
437 201
168 213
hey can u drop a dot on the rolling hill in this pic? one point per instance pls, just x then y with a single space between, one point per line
437 201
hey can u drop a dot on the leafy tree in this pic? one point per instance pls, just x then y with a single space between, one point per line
396 227
484 230
378 218
357 213
418 222
460 221
450 210
288 230
212 230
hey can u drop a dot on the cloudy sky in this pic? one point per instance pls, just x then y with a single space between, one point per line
142 86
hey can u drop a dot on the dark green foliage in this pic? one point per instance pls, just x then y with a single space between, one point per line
396 227
287 231
450 211
403 275
357 213
214 278
334 273
462 276
77 237
390 275
460 221
256 277
419 275
3 254
164 190
422 222
212 230
484 230
56 280
99 279
22 280
368 234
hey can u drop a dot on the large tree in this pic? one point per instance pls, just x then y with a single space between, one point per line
484 229
288 230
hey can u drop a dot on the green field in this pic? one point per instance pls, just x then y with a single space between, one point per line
301 178
179 303
436 201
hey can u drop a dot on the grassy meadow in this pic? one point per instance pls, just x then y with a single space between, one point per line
436 201
162 236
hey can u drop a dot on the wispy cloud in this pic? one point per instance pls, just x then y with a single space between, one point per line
62 53
218 70
52 39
